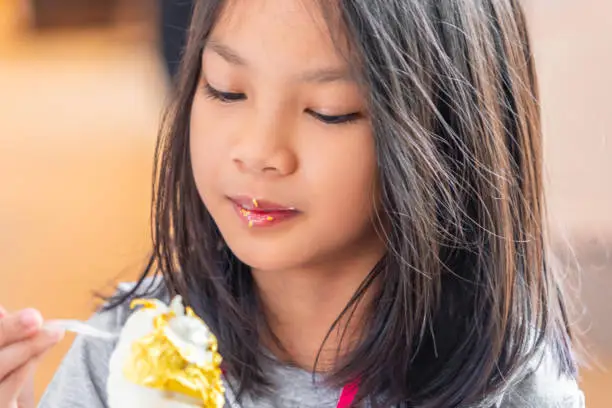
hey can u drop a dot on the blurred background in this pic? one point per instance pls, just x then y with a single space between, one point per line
82 87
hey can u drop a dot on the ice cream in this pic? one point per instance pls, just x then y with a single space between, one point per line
166 357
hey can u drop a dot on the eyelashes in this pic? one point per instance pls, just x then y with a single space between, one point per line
335 119
225 97
233 97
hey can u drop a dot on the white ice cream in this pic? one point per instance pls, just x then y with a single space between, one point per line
188 334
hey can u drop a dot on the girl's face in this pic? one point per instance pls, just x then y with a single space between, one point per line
282 149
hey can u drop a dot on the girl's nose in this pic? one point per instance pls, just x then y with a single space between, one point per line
265 148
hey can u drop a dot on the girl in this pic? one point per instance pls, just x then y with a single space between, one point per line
350 194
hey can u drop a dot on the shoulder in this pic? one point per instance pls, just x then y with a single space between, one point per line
114 314
544 386
151 288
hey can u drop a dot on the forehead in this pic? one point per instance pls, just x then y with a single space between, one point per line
286 34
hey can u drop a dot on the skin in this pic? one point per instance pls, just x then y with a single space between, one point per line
267 140
23 342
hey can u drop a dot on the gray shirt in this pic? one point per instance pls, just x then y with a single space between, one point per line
80 381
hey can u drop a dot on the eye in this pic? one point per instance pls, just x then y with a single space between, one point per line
335 119
225 97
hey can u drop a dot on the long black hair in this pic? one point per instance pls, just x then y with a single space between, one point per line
466 296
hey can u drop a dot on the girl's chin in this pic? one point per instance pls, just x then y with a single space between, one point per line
269 259
260 263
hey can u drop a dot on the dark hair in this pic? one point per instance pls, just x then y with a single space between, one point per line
467 296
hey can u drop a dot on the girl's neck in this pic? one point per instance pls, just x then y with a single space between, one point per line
301 306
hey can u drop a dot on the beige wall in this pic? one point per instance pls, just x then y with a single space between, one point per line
77 124
574 53
78 119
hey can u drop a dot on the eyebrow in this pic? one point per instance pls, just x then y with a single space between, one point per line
321 75
226 53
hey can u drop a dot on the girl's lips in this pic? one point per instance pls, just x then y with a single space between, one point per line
255 204
261 213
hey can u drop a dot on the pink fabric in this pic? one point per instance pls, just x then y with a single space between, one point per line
347 397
